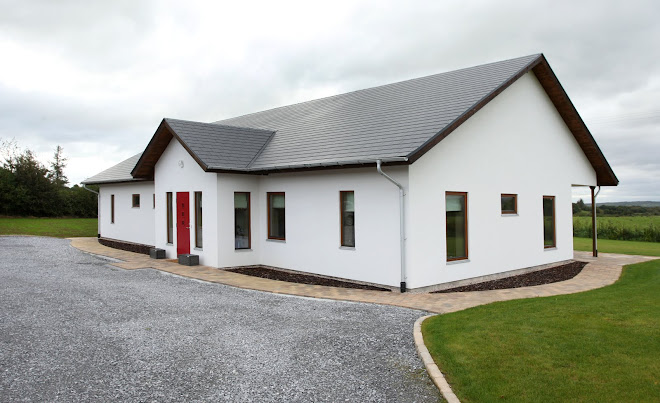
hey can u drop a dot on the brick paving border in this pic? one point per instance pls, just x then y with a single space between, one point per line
600 272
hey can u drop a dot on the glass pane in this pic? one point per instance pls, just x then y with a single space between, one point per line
456 227
277 217
277 201
198 220
170 220
240 200
508 204
241 221
548 221
348 219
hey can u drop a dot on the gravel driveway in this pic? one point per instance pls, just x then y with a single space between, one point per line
73 328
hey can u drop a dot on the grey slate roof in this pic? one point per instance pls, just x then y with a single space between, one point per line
221 146
118 173
392 120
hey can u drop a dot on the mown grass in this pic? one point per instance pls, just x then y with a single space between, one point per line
637 228
614 246
595 346
55 227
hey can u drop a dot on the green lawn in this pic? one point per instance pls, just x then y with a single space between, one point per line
624 247
595 346
55 227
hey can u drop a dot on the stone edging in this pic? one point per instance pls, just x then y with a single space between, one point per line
431 368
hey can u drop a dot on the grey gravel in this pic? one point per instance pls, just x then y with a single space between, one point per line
74 328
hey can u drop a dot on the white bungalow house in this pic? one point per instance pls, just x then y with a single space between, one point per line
415 184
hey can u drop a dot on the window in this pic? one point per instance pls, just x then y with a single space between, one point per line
198 220
170 219
154 202
456 211
347 216
549 239
276 216
112 209
242 220
136 200
509 203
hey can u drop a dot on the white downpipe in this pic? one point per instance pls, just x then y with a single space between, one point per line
401 224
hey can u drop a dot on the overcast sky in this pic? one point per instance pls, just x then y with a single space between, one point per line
97 77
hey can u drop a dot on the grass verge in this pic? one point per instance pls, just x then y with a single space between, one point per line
55 227
599 345
624 247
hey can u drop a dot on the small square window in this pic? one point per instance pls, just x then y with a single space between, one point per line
509 203
136 200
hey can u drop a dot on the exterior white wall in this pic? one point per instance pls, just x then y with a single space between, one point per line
518 144
313 224
169 176
132 224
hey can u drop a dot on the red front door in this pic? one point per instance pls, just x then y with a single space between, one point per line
182 223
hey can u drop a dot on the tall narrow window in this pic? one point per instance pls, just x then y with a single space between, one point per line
549 239
170 219
347 214
112 209
509 203
154 201
276 224
198 219
457 240
242 220
136 201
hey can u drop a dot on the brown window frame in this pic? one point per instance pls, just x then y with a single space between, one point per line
465 214
199 243
554 224
249 229
268 194
134 197
154 201
112 209
170 217
515 203
341 218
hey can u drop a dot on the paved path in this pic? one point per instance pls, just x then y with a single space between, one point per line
600 272
74 328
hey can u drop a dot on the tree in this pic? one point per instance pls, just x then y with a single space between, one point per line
56 172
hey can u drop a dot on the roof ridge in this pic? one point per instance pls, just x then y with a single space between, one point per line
221 125
375 87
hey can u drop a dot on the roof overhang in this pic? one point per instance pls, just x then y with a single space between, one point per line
604 174
144 169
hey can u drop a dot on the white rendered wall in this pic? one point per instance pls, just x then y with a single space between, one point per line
313 223
169 176
132 224
519 144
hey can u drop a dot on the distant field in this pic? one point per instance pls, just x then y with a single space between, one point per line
55 227
645 229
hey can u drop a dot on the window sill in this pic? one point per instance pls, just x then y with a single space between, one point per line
276 240
200 249
242 249
509 214
550 248
169 244
347 247
458 261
